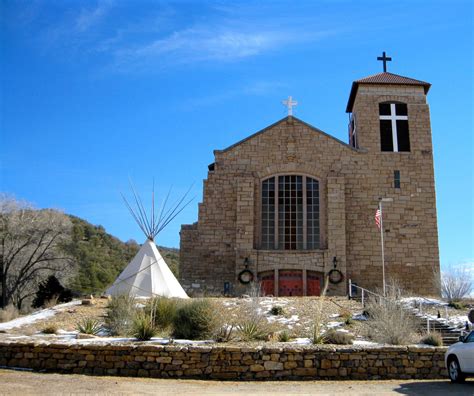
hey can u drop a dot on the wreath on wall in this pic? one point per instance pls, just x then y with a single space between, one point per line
335 276
245 276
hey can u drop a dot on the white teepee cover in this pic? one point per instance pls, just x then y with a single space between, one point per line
147 275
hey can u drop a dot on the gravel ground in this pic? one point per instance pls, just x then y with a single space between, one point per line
30 383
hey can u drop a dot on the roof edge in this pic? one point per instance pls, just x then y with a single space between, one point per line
278 122
355 85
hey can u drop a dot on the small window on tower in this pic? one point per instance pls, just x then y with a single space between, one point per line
394 134
353 132
396 179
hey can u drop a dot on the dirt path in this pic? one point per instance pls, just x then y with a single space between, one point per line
29 383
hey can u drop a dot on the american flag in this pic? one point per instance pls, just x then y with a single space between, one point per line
378 217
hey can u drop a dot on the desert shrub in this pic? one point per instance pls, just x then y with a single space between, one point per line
333 336
88 326
8 313
143 326
50 329
389 322
120 313
433 338
49 290
163 310
195 320
284 336
277 310
456 305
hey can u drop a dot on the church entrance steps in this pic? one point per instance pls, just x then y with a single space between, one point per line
425 324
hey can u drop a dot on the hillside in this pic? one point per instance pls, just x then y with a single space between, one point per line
99 257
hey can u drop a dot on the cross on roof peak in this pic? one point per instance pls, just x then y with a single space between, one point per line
384 58
289 103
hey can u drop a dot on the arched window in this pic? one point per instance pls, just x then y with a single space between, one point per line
394 135
290 213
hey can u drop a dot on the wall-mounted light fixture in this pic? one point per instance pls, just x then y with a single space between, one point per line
334 261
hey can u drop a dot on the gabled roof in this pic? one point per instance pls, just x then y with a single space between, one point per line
384 78
280 121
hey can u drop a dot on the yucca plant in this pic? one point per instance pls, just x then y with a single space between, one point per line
284 336
251 329
89 326
143 327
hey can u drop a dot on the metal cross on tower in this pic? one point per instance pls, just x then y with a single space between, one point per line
384 58
289 103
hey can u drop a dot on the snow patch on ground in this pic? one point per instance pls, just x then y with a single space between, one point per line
38 315
301 341
359 316
332 325
423 300
365 343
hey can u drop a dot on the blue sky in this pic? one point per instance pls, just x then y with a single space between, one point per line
93 92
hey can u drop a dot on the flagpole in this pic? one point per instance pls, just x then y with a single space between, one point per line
381 243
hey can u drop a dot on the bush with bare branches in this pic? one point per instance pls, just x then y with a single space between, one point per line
389 321
456 283
30 248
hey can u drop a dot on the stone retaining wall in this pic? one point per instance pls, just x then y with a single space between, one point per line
229 362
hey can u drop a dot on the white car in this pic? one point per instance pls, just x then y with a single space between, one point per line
459 358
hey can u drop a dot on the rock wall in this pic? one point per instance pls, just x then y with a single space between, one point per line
229 362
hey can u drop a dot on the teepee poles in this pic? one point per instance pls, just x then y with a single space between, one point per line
153 224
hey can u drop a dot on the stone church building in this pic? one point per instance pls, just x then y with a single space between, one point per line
293 207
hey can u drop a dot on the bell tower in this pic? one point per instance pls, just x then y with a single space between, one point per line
390 128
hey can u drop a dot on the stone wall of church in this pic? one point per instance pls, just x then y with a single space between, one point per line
226 238
214 250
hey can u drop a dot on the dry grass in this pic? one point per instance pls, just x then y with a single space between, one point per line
338 337
8 313
433 338
229 312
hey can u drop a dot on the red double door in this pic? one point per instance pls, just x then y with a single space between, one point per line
290 283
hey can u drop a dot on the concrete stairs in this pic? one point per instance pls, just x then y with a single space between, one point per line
449 334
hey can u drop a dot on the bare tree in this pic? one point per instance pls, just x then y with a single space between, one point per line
30 248
456 282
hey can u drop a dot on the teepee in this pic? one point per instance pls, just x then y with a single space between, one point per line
148 275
